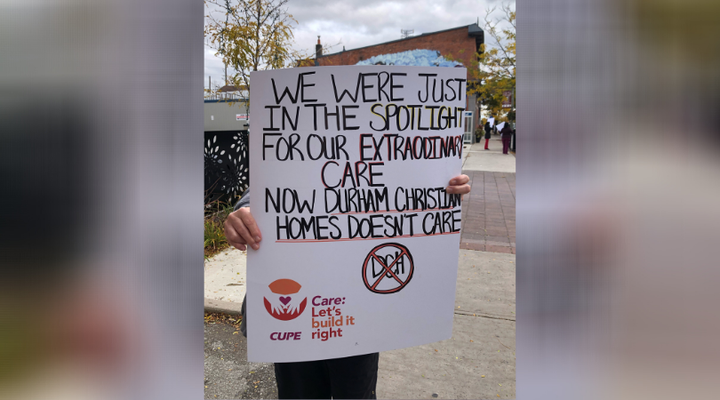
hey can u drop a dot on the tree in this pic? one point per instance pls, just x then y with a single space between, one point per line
496 69
250 35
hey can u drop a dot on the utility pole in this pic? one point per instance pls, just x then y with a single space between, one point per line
227 14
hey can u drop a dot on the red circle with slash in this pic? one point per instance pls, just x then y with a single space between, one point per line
387 272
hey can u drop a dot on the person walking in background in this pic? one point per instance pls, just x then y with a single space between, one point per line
487 134
506 135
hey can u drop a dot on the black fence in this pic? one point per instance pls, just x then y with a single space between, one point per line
227 173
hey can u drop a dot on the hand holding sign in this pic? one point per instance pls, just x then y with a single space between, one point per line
241 230
459 185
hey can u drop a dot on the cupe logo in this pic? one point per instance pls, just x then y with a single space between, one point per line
284 307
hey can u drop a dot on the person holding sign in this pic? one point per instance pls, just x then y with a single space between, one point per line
340 378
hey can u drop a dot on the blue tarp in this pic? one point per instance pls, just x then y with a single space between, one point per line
416 58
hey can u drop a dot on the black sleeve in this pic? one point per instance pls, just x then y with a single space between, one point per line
243 202
243 323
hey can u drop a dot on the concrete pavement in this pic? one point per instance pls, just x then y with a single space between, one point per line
493 160
477 362
225 281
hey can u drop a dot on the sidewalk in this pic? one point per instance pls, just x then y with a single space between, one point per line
489 210
477 362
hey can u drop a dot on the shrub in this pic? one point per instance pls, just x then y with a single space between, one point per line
215 215
479 133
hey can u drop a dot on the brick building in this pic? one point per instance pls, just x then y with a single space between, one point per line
446 48
458 44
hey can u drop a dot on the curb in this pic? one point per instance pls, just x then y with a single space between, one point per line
225 307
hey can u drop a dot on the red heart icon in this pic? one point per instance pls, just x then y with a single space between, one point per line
284 299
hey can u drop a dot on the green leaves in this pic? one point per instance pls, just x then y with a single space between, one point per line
250 35
215 240
495 70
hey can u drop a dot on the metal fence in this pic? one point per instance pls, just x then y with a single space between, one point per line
226 166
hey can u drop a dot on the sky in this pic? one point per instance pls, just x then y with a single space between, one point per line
359 23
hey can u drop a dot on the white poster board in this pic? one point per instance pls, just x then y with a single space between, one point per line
491 120
348 167
500 126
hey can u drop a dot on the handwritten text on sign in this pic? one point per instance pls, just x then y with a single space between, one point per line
356 185
348 168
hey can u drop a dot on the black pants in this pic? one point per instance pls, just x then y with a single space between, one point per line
339 378
506 144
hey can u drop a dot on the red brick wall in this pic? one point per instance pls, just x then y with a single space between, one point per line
454 44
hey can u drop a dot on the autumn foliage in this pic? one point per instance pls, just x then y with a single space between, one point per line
495 71
250 35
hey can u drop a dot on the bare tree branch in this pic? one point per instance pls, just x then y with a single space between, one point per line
495 72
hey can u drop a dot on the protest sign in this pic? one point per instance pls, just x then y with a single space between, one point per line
348 169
